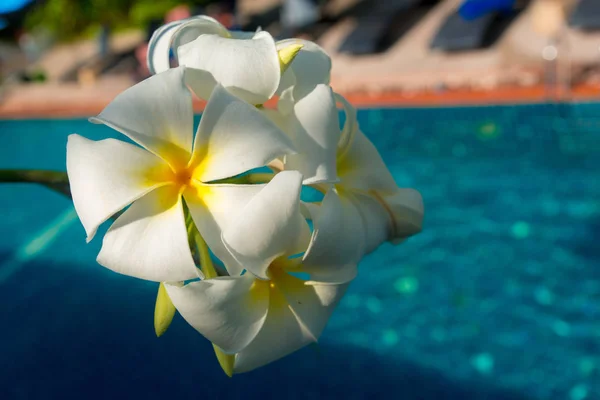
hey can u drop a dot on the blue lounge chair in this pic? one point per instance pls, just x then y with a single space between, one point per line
473 9
373 25
458 34
474 28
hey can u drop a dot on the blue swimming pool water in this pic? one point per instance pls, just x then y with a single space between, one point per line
498 297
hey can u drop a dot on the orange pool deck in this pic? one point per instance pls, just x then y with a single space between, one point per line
77 102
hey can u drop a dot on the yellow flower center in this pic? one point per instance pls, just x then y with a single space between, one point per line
275 272
183 178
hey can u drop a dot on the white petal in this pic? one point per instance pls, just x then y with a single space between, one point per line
270 226
362 168
309 210
235 137
149 241
228 311
106 176
377 221
175 34
285 123
312 304
214 208
311 67
281 334
248 68
316 135
193 27
157 56
406 207
338 241
350 124
157 114
286 101
281 120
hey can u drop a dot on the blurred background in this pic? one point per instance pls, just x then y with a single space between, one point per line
490 108
58 53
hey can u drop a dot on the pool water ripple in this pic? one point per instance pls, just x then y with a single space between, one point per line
498 297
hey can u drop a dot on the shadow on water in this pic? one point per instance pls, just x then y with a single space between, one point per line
587 246
80 331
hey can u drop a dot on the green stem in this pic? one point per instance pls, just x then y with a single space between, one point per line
263 177
226 361
55 180
59 181
206 264
248 179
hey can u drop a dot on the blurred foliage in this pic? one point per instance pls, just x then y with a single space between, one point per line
37 75
68 19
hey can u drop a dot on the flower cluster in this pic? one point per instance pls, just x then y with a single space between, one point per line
177 197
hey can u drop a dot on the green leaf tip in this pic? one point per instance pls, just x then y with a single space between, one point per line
287 55
164 311
226 361
54 180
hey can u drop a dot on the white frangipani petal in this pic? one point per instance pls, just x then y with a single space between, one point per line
350 125
193 27
377 221
157 114
157 56
270 226
234 137
310 210
175 34
228 311
247 67
282 121
285 104
312 304
310 68
106 176
149 240
362 168
406 207
214 208
316 136
389 213
338 241
281 334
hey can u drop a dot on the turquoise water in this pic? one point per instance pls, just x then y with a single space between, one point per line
498 297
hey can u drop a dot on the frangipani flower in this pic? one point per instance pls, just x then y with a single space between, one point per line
367 189
162 41
313 127
283 281
310 67
268 312
248 64
244 63
254 67
149 240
